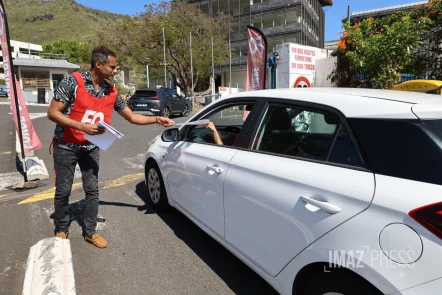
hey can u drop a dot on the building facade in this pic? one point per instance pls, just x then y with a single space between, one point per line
281 21
36 70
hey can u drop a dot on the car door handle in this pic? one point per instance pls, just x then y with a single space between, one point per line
215 168
324 206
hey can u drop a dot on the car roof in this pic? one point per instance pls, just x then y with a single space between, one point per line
153 89
148 89
355 102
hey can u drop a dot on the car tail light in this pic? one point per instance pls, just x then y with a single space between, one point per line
154 98
429 217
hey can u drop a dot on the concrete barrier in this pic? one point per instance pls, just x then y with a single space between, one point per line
36 168
50 269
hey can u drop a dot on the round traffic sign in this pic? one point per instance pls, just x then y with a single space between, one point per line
302 82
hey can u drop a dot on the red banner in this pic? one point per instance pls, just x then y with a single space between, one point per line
256 59
29 138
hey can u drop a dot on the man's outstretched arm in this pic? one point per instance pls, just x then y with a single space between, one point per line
138 119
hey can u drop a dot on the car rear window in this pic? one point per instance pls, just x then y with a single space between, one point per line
401 148
145 94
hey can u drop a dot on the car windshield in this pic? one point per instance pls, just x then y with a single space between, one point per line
145 94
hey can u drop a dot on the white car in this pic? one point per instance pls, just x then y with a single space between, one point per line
319 191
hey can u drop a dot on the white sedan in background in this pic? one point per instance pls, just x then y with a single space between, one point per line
319 191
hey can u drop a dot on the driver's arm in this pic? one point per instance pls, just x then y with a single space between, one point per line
216 136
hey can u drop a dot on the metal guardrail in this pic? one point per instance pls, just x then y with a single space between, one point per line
52 56
41 55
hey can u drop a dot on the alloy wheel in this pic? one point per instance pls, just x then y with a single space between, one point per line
166 112
186 111
154 185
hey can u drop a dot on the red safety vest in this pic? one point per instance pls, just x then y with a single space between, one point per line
88 109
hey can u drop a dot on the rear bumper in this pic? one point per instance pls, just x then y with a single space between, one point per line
429 288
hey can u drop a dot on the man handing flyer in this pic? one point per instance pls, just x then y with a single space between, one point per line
80 101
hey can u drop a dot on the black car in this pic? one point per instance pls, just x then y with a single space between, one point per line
161 101
3 91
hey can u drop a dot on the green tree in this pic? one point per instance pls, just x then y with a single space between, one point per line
428 61
141 37
378 49
75 52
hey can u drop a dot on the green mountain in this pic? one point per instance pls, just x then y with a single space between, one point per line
41 21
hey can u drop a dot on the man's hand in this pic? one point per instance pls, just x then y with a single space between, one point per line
92 129
166 122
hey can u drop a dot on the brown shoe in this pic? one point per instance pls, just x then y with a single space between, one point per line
62 234
96 240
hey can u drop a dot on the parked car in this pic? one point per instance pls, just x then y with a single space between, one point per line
161 101
3 91
318 190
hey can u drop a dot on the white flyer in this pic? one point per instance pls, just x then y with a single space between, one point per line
105 140
199 122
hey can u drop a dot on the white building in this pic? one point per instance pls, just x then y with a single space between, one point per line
36 70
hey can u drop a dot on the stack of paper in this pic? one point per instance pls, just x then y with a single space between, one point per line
105 140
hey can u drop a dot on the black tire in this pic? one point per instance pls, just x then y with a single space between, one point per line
339 282
185 112
165 112
155 186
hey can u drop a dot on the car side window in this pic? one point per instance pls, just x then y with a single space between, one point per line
305 132
344 150
227 122
166 92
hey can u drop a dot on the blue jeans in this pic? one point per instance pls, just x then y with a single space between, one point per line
64 164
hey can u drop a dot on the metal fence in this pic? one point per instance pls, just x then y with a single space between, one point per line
404 78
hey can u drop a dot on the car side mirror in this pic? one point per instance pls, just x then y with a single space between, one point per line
171 135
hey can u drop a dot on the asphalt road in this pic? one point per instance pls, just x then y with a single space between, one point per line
149 252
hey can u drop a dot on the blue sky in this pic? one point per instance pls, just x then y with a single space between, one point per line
334 14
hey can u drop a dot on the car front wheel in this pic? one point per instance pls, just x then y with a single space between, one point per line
155 186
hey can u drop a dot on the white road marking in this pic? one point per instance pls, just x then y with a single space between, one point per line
35 115
136 162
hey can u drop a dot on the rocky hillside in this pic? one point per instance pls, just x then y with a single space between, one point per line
41 21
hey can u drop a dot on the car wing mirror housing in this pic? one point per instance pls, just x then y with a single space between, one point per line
171 135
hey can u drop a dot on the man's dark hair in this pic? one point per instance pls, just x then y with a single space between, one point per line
101 54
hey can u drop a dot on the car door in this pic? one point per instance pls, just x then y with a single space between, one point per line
197 167
301 177
174 101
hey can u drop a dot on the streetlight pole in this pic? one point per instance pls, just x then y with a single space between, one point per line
147 72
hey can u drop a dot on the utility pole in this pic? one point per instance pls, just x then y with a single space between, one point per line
165 66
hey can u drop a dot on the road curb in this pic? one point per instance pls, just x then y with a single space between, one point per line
50 269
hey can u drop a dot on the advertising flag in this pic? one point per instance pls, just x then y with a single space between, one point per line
256 59
28 138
